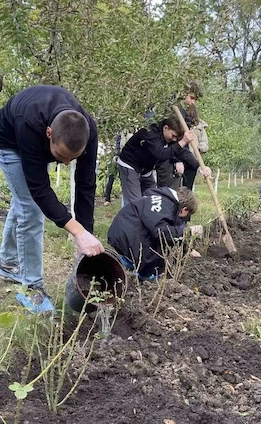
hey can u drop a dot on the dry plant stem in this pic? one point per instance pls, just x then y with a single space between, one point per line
165 249
104 312
61 329
59 364
9 342
45 378
58 354
90 331
136 270
118 303
55 352
26 375
162 286
51 384
163 256
3 420
117 308
67 364
79 377
180 261
206 239
179 266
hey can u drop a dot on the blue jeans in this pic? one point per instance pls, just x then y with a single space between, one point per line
22 239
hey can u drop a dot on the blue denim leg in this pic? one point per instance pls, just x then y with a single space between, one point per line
23 232
10 256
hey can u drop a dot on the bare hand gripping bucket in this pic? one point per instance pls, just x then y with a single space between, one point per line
106 269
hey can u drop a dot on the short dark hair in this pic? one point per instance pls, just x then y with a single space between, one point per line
187 199
173 122
71 128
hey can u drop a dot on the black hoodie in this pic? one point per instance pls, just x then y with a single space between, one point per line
23 123
136 229
146 148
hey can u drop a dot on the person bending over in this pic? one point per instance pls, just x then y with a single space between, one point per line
149 147
39 125
140 227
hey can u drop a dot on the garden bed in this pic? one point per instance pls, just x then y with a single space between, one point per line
197 362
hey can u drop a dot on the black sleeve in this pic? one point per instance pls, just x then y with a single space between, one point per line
189 160
36 175
156 147
85 180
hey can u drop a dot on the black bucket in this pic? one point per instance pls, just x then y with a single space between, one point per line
107 270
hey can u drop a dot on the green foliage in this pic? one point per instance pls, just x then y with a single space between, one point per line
233 130
7 319
117 56
253 326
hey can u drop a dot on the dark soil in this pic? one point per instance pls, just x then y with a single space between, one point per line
197 362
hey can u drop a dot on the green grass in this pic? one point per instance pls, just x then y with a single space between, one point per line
103 218
226 197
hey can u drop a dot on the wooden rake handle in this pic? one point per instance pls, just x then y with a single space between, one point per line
202 166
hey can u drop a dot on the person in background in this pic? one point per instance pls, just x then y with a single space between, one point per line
142 228
112 170
170 172
149 115
198 127
148 147
173 172
193 91
39 125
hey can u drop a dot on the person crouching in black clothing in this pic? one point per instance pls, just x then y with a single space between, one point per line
139 228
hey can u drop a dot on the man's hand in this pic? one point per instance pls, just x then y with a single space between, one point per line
206 173
88 244
188 137
179 168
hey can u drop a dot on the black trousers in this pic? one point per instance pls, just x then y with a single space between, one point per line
108 188
189 178
166 176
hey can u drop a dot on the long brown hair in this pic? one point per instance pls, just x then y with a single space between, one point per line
193 113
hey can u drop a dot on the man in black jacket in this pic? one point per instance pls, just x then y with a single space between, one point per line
139 228
149 147
39 125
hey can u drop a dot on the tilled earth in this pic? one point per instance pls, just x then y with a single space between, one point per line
197 362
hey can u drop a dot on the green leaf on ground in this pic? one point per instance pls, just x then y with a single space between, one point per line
20 391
